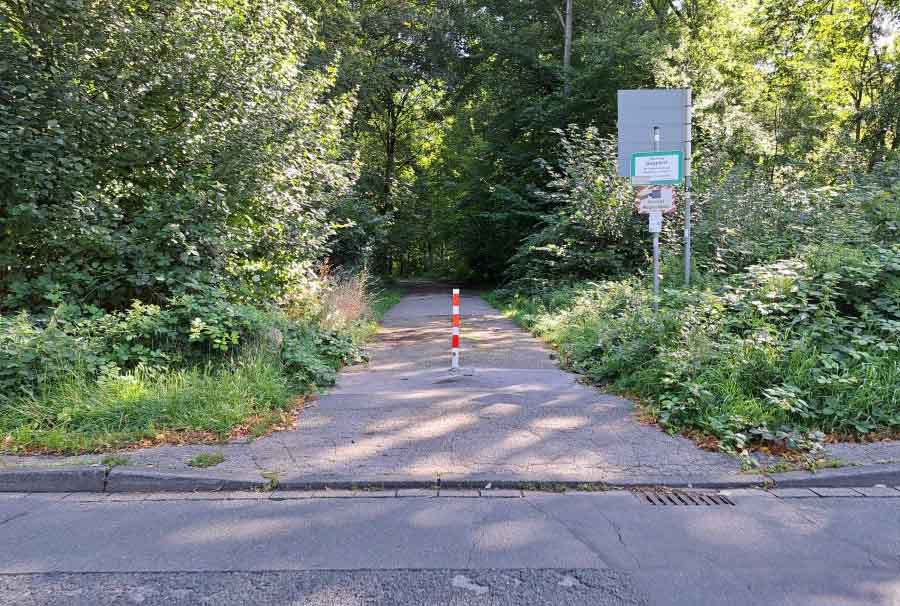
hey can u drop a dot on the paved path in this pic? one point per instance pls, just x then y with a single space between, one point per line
512 415
543 549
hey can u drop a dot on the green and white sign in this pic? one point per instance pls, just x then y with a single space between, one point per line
657 168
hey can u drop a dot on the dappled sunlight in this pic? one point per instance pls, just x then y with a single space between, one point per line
443 514
433 465
500 410
517 440
735 547
886 592
707 526
439 426
384 425
228 530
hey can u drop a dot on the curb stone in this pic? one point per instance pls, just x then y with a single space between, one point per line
847 477
121 479
129 480
56 479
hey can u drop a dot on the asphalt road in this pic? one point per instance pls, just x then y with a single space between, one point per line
569 549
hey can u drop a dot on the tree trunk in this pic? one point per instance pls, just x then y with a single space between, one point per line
390 152
567 50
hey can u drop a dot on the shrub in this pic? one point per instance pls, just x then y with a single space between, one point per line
85 379
157 148
782 352
32 355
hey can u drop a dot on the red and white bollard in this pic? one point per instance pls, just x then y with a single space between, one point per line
454 343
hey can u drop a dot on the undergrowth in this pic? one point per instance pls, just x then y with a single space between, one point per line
201 372
779 354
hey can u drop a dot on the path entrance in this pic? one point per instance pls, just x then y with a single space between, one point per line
512 414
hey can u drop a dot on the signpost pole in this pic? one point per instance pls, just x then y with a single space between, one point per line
688 110
655 237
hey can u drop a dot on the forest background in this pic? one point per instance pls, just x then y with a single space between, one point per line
197 195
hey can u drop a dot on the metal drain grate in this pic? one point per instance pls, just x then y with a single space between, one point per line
682 498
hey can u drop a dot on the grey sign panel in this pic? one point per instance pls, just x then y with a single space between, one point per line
641 110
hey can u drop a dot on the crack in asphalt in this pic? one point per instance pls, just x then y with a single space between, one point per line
618 530
15 517
38 507
575 535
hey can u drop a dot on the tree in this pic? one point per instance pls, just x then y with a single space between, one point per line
159 148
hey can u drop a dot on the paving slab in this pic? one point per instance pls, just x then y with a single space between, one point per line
458 493
763 551
835 492
878 491
793 493
416 492
501 493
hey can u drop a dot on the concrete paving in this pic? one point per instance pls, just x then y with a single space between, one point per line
512 415
587 548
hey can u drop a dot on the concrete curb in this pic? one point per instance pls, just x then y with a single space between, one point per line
130 480
123 480
844 477
535 484
53 479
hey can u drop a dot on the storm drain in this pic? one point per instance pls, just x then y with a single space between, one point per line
682 498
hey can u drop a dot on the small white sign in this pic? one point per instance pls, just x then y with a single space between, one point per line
658 168
655 222
655 199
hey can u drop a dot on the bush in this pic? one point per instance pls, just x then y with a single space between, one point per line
592 229
90 380
782 352
32 355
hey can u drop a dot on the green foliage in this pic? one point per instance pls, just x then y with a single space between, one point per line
114 461
784 351
31 354
313 357
122 407
88 383
153 150
593 230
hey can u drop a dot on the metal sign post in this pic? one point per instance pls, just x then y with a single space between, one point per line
655 228
688 110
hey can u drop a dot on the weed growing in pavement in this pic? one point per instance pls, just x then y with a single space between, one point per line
204 460
114 461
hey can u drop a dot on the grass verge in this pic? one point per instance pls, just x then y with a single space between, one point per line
247 390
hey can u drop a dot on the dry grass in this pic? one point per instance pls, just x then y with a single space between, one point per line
345 301
335 300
